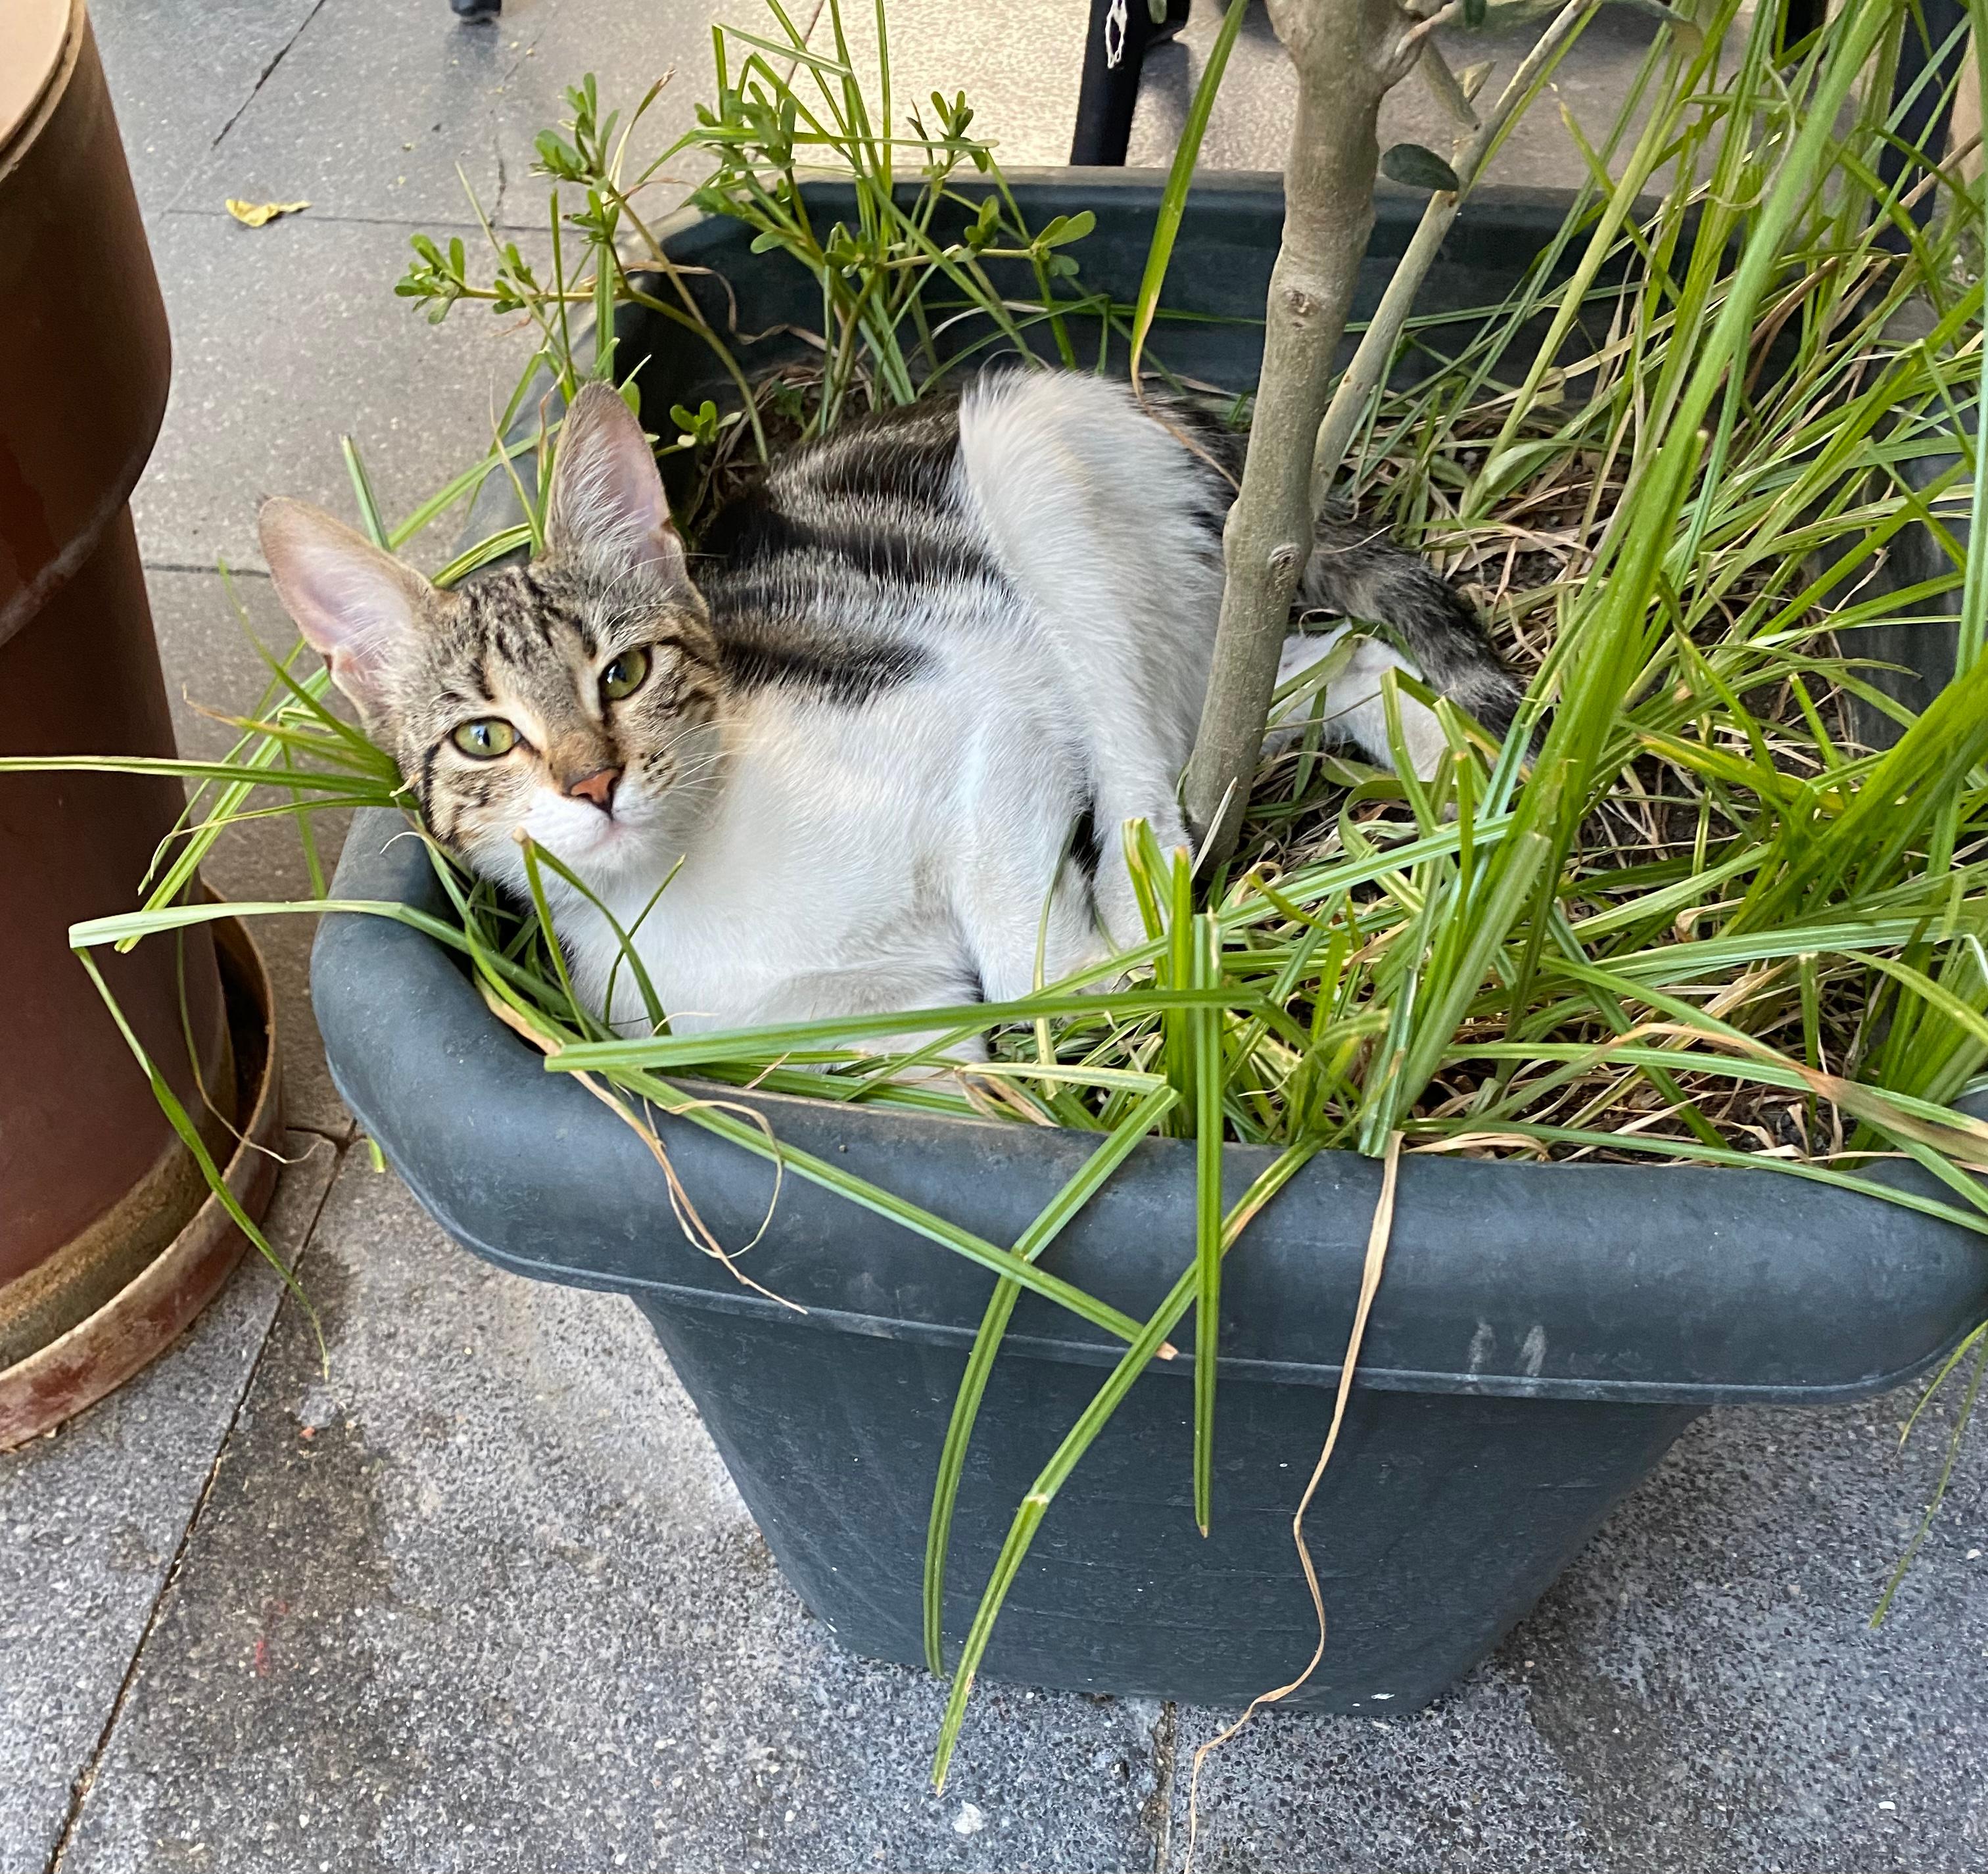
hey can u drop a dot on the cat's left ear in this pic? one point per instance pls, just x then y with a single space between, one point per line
606 507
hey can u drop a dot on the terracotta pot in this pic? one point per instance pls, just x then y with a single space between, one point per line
93 1183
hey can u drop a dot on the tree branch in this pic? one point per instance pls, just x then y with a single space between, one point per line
1376 345
1441 17
1348 54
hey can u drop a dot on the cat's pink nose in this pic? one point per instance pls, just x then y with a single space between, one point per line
598 787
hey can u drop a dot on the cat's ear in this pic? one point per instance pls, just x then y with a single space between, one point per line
606 508
357 607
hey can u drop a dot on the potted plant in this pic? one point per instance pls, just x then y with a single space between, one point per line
1676 915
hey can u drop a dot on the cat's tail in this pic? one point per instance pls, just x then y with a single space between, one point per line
1358 572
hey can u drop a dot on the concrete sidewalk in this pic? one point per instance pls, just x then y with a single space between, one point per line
474 1593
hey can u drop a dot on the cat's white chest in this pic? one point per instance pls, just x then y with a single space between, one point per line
823 866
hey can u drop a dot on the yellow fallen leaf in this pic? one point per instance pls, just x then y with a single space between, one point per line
255 214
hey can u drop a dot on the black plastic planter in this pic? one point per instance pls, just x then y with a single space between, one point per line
1541 1336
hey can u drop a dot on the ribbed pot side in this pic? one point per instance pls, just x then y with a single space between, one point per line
93 1182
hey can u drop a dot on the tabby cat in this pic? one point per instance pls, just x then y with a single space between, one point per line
931 664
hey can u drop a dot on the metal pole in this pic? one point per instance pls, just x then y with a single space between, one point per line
1119 34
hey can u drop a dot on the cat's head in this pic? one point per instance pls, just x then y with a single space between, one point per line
574 698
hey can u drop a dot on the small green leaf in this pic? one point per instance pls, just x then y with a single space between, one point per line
1067 228
557 157
1417 168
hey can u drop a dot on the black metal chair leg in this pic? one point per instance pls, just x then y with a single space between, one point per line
1116 42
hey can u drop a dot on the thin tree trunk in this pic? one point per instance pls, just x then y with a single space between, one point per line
1376 345
1348 54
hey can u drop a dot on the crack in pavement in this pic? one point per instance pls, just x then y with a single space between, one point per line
303 26
1160 1805
525 49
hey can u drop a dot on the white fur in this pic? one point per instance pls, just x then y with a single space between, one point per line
1354 712
896 854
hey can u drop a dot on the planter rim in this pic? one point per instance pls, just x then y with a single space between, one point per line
1499 202
1605 1282
38 38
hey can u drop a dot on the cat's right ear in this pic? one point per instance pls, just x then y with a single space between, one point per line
357 607
606 507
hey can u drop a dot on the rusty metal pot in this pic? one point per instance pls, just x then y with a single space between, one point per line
93 1184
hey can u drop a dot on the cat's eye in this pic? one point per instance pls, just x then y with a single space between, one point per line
623 676
486 738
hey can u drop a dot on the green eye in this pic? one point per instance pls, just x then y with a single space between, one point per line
484 740
623 676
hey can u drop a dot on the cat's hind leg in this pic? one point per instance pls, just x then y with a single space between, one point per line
1027 907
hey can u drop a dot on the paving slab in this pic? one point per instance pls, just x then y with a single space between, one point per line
371 113
285 338
179 75
211 665
393 110
1020 64
485 1599
1249 127
92 1519
1702 1692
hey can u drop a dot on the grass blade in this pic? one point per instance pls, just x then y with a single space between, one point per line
1173 200
1208 1083
1130 1131
1081 1436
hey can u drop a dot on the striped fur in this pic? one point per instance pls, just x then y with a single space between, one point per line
907 694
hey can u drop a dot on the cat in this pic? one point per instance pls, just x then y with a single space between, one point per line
932 664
